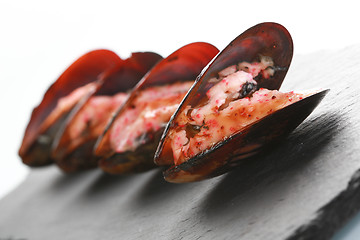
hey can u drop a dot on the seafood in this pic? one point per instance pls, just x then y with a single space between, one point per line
234 111
74 143
77 81
130 140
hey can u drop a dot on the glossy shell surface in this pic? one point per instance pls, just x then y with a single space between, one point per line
38 137
266 39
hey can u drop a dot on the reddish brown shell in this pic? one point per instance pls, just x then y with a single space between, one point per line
77 155
35 147
266 39
182 65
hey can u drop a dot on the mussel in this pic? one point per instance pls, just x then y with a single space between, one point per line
130 140
74 143
78 80
234 111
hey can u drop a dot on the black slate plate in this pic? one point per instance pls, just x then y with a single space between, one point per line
306 188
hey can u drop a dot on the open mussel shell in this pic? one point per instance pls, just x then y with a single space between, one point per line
181 66
40 131
269 40
265 39
248 142
75 152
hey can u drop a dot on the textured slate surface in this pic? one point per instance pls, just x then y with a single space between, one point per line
306 188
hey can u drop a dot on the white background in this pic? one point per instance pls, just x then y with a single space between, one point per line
39 39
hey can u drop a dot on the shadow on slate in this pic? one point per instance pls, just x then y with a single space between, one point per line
105 183
273 166
63 182
156 191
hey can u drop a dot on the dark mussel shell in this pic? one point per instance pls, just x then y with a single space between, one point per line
77 154
183 65
39 134
266 39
